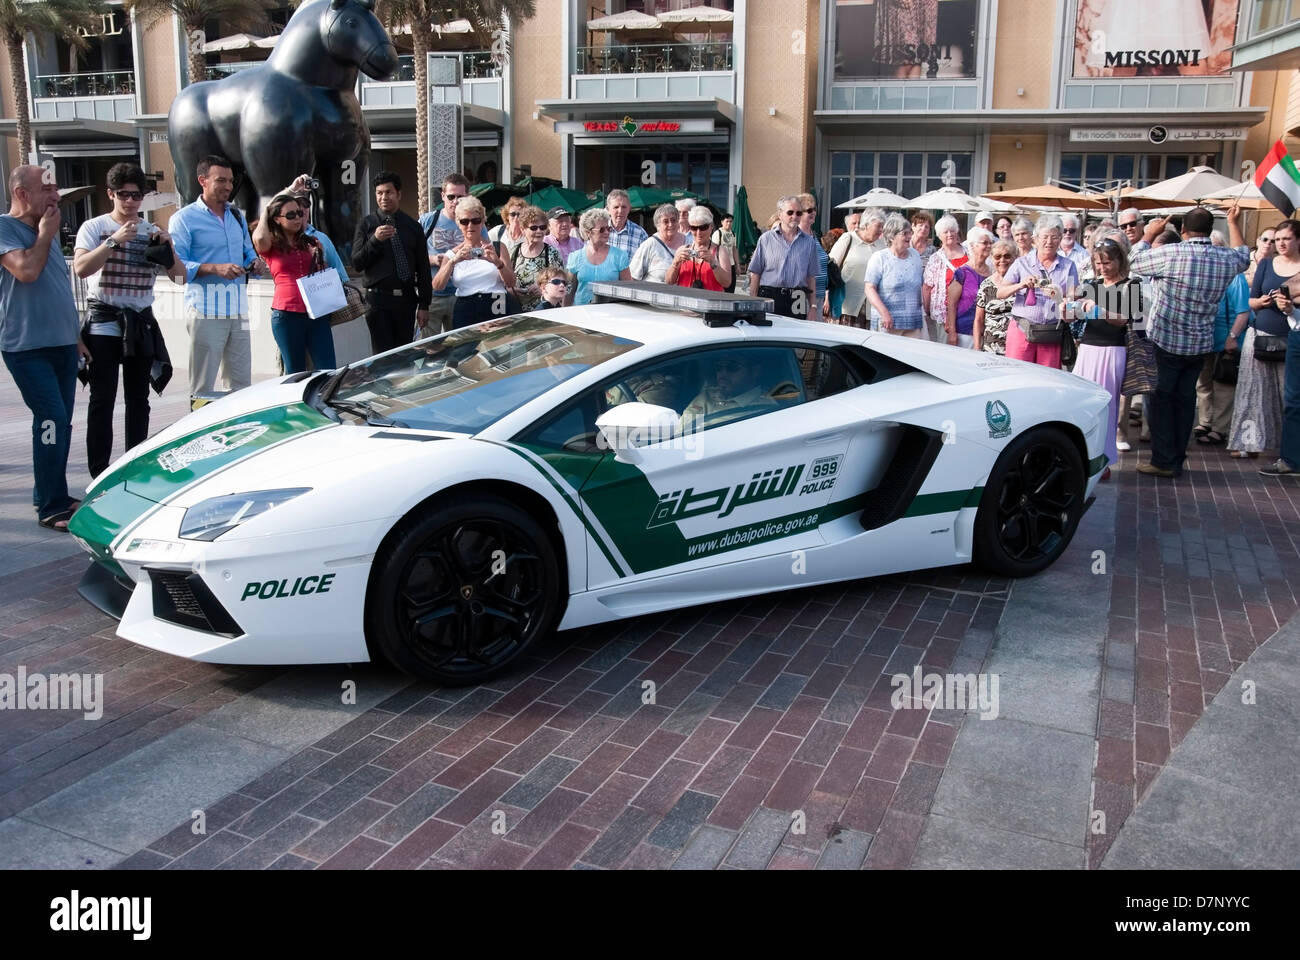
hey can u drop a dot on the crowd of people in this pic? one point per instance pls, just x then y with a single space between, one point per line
1192 327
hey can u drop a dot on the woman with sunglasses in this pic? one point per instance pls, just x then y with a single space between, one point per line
597 260
532 256
479 268
1261 384
1115 301
554 284
991 314
280 239
512 230
701 264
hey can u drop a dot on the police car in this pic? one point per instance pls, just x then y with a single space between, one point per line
450 503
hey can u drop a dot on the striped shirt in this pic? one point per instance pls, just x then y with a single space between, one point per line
126 279
1188 281
628 239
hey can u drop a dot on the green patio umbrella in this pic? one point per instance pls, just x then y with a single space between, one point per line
530 184
572 200
744 227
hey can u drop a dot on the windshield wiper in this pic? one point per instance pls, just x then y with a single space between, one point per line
364 409
327 389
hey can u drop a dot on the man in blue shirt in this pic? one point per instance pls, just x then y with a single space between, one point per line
784 265
39 333
212 239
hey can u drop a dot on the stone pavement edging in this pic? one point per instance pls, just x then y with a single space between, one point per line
1229 797
1015 793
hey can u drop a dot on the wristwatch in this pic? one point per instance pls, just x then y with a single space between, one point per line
110 242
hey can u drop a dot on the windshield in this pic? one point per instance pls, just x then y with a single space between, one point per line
468 379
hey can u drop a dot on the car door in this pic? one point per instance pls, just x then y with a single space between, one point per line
749 477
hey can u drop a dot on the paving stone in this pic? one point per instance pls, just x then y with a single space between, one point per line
759 839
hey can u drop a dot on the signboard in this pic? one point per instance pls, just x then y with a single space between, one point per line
905 39
1157 134
629 127
1154 38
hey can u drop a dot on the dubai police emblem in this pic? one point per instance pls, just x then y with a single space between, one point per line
209 445
999 419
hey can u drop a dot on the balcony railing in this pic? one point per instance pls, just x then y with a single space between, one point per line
655 58
219 70
474 65
108 84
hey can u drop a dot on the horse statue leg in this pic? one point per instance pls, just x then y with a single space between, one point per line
342 186
190 137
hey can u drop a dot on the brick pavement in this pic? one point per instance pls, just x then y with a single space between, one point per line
770 742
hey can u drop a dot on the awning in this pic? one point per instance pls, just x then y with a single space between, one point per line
402 118
49 130
641 110
905 123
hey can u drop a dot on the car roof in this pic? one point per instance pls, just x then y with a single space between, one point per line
662 328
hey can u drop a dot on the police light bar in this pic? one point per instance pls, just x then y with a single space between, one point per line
716 308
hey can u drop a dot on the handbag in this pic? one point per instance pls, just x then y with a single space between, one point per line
1269 347
1226 365
1041 332
356 305
1069 347
1139 364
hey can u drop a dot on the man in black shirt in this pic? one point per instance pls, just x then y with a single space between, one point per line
389 250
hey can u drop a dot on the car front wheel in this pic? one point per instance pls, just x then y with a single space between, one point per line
1031 504
460 592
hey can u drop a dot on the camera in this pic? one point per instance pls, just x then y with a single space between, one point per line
313 184
476 253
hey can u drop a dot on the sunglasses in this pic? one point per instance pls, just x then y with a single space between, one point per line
453 197
537 226
704 226
292 215
599 230
467 222
1071 230
129 194
793 213
557 282
813 210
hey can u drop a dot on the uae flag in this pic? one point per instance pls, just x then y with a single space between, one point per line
1279 180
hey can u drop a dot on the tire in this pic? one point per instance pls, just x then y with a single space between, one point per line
1031 504
444 605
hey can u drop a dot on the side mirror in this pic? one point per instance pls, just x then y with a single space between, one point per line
630 426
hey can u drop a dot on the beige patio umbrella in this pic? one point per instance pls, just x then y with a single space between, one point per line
1193 186
950 199
1051 196
236 41
690 19
625 22
876 197
1245 195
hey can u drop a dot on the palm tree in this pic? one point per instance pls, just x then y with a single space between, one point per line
58 17
237 15
487 17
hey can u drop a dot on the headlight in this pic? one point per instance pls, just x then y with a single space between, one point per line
211 518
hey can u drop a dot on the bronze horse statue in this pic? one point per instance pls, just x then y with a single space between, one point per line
296 113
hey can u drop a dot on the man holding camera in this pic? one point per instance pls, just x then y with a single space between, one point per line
389 249
120 255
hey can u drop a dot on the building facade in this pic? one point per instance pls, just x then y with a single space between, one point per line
777 95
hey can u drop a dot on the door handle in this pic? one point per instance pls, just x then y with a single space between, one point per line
824 438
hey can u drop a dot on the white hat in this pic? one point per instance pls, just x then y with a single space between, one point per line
982 216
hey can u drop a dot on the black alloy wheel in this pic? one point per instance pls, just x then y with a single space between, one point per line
1031 504
463 591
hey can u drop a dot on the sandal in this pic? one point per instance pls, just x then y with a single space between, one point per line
1210 438
1201 431
58 521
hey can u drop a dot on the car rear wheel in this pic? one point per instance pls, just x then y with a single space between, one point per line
1031 504
461 592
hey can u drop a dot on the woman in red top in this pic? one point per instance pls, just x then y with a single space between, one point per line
702 263
291 254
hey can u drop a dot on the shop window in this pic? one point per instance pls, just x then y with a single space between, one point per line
910 174
891 39
1099 171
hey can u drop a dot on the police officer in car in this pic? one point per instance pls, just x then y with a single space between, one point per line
736 390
